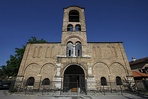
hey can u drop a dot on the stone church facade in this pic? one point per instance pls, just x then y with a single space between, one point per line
74 62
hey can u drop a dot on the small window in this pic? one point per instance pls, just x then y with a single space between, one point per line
69 49
30 81
78 49
46 81
74 16
78 27
69 27
118 80
103 81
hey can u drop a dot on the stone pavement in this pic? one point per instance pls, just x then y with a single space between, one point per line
5 95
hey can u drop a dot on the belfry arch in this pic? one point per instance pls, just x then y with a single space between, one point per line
74 77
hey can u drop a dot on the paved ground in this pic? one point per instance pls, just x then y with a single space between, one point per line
5 95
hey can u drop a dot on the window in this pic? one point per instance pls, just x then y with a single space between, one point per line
118 80
30 81
73 50
103 81
78 49
78 27
74 16
69 27
69 50
46 81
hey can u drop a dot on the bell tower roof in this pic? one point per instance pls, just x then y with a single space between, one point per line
74 6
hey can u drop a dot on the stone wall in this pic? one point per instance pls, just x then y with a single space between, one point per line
98 60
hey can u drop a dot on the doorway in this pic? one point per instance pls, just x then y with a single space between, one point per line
74 78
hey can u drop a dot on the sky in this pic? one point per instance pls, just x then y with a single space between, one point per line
106 21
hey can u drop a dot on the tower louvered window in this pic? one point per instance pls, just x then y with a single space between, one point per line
74 16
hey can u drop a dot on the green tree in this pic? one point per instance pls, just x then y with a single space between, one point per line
12 65
34 40
2 74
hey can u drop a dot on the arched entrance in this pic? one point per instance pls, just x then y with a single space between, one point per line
74 78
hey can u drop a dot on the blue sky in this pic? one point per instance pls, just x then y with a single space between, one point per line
106 21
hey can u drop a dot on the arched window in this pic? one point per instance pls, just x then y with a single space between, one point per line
118 80
30 81
73 16
46 81
78 27
103 81
69 27
78 49
69 50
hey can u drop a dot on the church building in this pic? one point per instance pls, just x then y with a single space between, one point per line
74 62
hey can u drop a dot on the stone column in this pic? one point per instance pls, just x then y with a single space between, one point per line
74 51
57 78
19 81
89 69
91 82
58 71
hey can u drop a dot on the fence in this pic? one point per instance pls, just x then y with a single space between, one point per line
141 85
73 88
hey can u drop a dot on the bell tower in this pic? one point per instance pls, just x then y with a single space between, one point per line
74 29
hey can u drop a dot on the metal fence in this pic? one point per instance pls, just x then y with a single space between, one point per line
39 88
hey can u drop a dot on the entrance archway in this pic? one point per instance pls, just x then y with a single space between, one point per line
74 78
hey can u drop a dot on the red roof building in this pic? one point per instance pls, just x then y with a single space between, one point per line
137 74
140 73
139 68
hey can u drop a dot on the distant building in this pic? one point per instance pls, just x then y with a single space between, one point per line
140 72
74 62
140 64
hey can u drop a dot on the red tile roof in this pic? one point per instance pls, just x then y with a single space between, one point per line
139 74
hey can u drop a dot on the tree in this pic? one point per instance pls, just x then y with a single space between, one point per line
12 65
34 40
2 75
